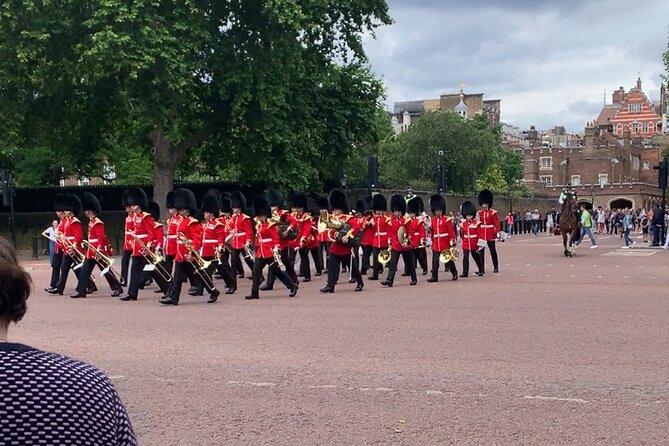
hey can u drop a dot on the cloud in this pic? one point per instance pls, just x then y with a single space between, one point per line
548 61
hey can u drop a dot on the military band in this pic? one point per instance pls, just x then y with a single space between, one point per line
200 244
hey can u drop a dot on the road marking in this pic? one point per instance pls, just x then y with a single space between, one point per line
630 253
434 392
554 398
325 386
116 377
247 383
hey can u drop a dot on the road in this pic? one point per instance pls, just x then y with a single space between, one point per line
549 351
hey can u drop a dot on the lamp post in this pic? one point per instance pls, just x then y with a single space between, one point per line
510 199
592 196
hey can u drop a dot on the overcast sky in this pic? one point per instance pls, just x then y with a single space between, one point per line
548 61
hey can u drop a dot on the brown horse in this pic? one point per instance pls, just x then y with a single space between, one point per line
568 224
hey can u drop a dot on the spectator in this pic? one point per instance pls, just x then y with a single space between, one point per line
628 225
528 221
48 398
550 223
509 223
645 224
536 216
586 227
656 225
50 233
601 220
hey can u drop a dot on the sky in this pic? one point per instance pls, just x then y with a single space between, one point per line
550 62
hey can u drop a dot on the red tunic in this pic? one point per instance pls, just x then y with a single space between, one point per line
368 231
128 240
470 235
213 236
338 248
73 231
312 238
294 225
158 234
97 238
190 228
324 236
416 231
305 225
267 239
489 223
171 243
144 230
394 225
60 230
443 233
380 228
242 231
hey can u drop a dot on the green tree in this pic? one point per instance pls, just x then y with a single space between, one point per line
273 90
493 179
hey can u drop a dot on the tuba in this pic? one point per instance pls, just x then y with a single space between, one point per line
449 255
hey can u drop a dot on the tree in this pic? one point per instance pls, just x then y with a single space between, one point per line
493 179
271 90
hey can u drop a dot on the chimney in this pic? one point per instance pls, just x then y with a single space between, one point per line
627 136
638 84
618 96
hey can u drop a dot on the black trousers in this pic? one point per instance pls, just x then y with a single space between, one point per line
334 263
206 277
325 251
274 271
136 275
305 267
65 266
421 257
125 263
493 254
85 277
224 269
377 268
288 260
465 261
409 262
237 266
55 269
435 266
182 271
364 262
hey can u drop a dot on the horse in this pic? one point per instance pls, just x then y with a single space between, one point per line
568 224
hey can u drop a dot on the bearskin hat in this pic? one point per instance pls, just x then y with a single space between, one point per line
135 196
59 203
299 200
275 198
397 203
185 199
261 206
211 203
90 202
360 206
226 206
169 200
238 200
72 203
468 208
312 207
379 203
323 203
485 196
413 206
154 210
338 200
368 203
437 202
225 195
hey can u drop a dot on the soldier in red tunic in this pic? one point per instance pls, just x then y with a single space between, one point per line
223 262
242 233
343 244
128 240
288 228
367 240
470 237
323 242
171 240
72 235
489 220
443 236
304 220
379 225
399 247
267 249
311 243
417 232
158 246
97 243
144 235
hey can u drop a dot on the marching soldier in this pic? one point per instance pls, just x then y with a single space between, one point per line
171 240
304 221
288 229
417 232
379 224
158 246
189 239
71 236
311 244
59 204
323 241
489 228
443 236
143 235
399 246
223 265
267 249
367 241
98 245
340 249
470 239
213 241
242 233
128 241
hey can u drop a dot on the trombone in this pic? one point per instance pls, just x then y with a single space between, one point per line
153 258
105 261
198 262
77 256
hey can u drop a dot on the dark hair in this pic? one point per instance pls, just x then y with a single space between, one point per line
15 284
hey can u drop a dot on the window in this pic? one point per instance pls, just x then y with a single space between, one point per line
84 181
635 127
644 127
575 180
546 162
546 180
646 165
634 108
603 179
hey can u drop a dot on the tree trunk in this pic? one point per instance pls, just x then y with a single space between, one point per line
165 159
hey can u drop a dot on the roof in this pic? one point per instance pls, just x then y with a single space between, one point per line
607 113
410 106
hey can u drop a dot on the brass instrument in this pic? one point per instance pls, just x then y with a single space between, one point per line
403 236
449 255
248 252
105 261
276 254
323 218
198 262
384 257
327 221
77 256
153 258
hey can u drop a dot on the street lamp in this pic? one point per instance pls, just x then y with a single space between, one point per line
510 199
592 196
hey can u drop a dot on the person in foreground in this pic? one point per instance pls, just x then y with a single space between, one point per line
48 398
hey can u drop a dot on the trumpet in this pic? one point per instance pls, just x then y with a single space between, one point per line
198 262
248 253
276 254
153 258
77 256
449 255
105 261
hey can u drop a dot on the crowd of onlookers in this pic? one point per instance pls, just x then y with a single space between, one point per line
620 222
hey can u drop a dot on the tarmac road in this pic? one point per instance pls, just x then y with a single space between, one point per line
549 351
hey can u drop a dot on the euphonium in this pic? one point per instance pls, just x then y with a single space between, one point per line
449 255
384 257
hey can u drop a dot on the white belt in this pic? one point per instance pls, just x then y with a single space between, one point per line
487 226
470 236
142 235
171 236
70 238
128 232
265 240
239 233
439 235
381 233
209 241
93 240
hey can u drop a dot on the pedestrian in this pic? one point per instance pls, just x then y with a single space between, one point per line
528 222
601 220
645 224
50 233
586 227
549 224
536 216
656 225
48 398
509 223
628 225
